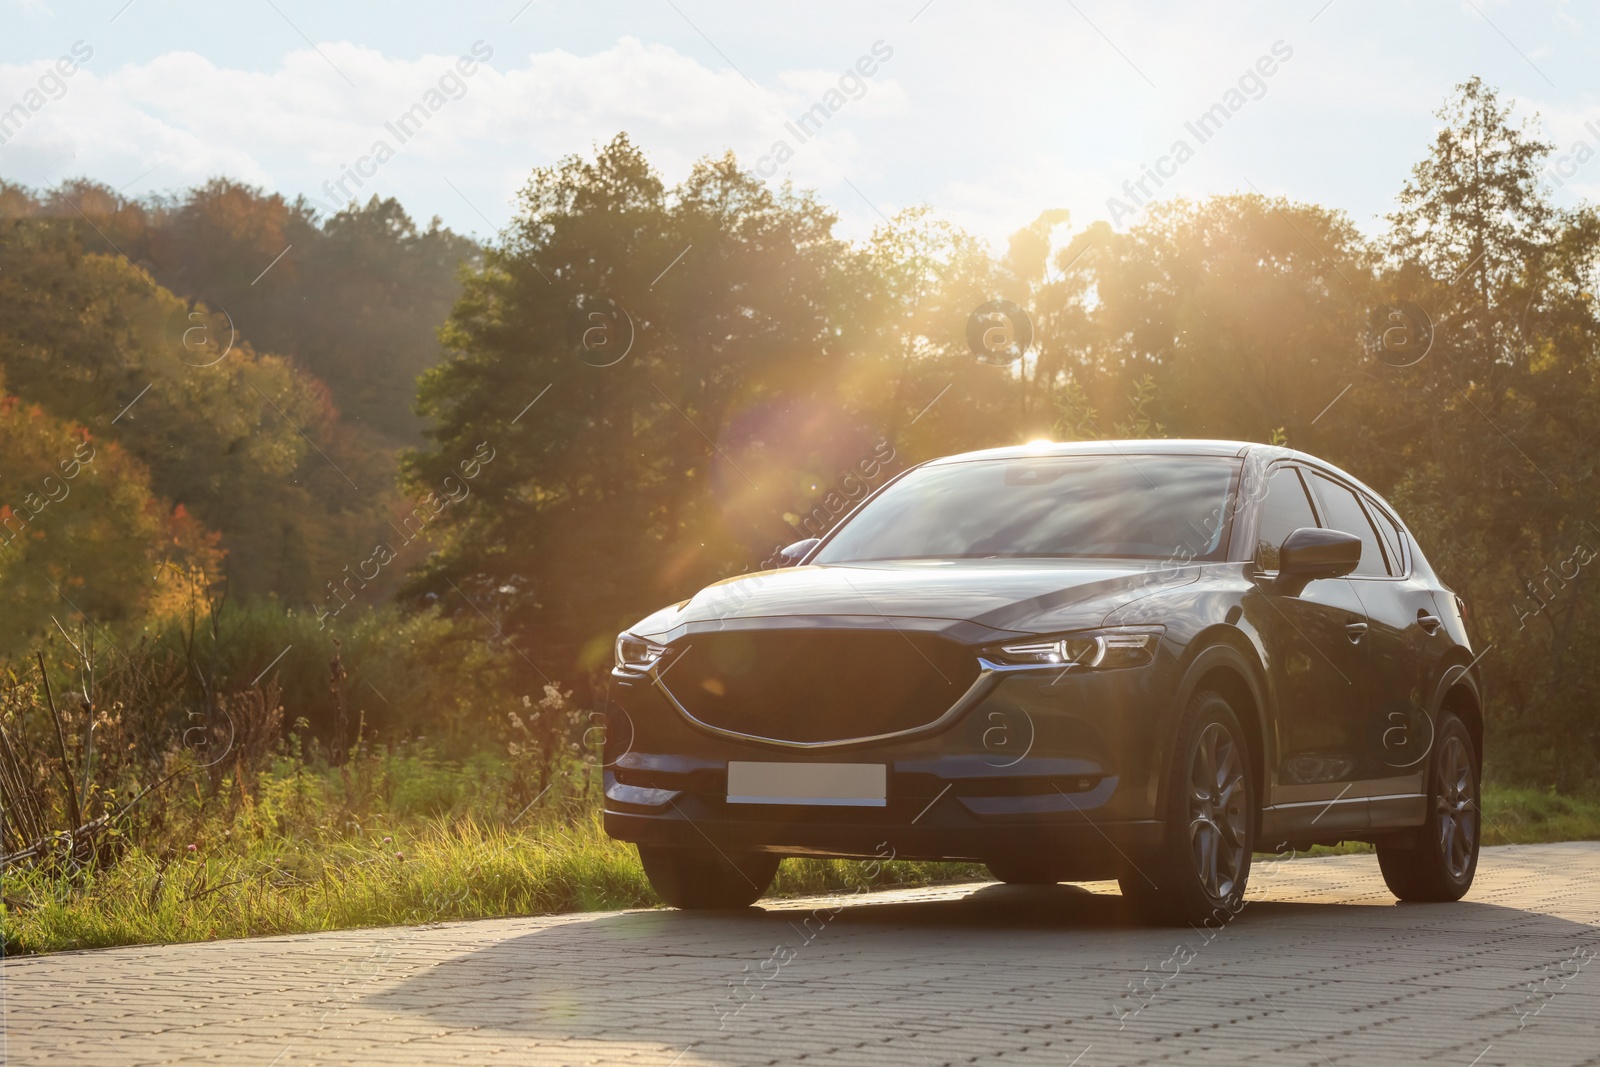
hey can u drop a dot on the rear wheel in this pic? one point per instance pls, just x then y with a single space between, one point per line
1201 869
696 879
1438 860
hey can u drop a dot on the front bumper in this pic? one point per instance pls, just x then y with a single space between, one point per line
1077 853
1040 764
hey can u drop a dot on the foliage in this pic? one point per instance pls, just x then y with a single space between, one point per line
92 732
1507 402
400 675
611 476
90 735
78 525
141 320
355 298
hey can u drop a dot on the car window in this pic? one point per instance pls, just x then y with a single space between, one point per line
1120 506
1392 539
1284 510
1342 511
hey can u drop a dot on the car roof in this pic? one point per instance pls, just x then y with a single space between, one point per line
1159 446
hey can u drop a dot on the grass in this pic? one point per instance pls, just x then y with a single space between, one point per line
1529 816
426 871
406 839
427 848
1513 816
436 871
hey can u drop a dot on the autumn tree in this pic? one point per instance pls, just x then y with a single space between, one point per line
80 530
248 443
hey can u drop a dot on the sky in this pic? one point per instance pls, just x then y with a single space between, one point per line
987 113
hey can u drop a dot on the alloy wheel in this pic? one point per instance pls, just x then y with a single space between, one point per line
1456 807
1217 815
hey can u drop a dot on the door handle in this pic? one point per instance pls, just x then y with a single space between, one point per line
1355 630
1429 623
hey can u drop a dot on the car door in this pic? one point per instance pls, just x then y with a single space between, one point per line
1317 668
1403 648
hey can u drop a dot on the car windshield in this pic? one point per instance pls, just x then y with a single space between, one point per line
1119 506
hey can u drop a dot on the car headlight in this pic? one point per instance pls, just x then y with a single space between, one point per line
1103 651
637 654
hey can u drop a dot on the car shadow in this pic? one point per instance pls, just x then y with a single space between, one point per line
675 978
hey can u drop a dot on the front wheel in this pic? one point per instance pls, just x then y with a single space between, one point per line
1201 869
1436 862
697 879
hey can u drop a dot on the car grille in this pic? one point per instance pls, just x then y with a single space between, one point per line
814 686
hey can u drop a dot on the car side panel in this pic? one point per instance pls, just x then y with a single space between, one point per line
1209 626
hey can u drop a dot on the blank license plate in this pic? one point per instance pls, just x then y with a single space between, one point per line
863 785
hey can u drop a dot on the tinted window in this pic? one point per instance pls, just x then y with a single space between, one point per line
1128 507
1392 539
1284 510
1341 511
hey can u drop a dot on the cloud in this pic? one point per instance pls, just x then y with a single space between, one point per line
293 127
985 120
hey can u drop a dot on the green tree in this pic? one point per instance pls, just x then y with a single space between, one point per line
635 482
904 300
1217 319
1505 401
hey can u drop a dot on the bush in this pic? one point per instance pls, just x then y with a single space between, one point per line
392 675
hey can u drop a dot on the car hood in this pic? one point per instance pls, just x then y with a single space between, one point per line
1024 596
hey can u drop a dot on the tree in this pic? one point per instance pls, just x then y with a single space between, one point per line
1507 401
80 531
1474 211
634 480
248 443
1225 319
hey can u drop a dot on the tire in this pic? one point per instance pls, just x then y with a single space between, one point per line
698 879
1022 871
1202 867
1437 861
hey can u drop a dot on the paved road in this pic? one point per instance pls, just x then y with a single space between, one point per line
1321 967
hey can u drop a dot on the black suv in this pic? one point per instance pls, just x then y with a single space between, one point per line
1135 659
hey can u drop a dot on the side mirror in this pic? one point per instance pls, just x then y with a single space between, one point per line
1309 554
789 557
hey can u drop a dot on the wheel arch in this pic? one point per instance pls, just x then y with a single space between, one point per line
1223 662
1458 692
